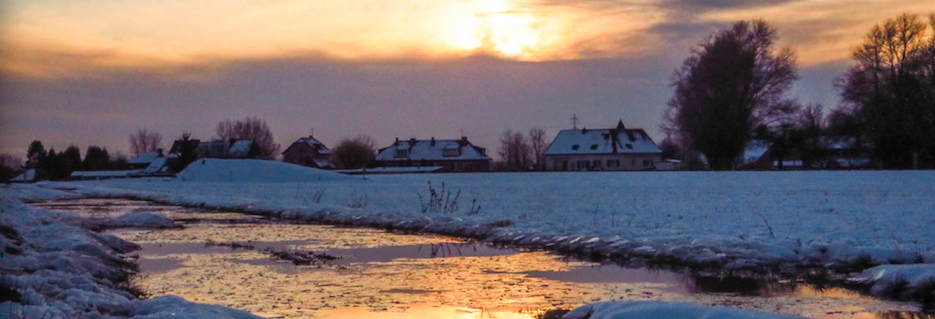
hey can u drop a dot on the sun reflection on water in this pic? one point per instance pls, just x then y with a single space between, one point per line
386 275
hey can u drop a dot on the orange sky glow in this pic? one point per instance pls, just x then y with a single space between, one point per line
404 68
56 38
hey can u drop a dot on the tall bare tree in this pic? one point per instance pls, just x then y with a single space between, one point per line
144 141
538 145
732 83
251 128
891 91
514 150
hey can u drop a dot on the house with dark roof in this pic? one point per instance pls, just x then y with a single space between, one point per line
308 151
613 149
451 155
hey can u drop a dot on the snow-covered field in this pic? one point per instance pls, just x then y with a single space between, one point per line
732 220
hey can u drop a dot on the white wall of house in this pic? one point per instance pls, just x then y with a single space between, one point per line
602 162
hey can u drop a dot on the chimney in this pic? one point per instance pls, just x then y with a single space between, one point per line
159 152
433 141
412 141
463 142
311 136
397 142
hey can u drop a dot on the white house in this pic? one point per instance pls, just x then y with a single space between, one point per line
452 155
615 149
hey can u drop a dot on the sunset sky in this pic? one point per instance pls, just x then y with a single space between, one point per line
94 71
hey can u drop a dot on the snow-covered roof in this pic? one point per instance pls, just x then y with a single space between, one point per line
28 176
837 142
323 163
144 158
601 141
92 174
157 166
314 143
754 151
433 150
240 148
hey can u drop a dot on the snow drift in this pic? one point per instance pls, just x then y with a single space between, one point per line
51 268
664 310
251 170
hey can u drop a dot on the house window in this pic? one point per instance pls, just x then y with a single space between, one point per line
596 163
451 152
613 163
593 146
647 163
583 165
574 147
402 153
633 163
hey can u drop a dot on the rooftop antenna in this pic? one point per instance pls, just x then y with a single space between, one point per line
574 121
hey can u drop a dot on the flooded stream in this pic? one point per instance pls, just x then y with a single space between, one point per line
230 259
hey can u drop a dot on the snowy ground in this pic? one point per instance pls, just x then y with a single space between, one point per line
730 220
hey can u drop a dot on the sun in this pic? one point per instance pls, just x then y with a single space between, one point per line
494 27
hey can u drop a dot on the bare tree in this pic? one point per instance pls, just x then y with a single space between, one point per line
515 150
732 83
144 141
538 145
250 128
355 152
890 91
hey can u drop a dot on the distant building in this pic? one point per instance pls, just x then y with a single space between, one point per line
668 165
233 148
615 149
451 155
144 160
756 156
26 177
308 151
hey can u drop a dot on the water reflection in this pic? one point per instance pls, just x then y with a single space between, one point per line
421 251
747 286
385 275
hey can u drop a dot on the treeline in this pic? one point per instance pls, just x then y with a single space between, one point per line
50 165
733 88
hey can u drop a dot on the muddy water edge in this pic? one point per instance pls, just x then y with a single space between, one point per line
288 270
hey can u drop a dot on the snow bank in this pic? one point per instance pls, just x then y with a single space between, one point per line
51 268
900 281
663 310
251 170
30 193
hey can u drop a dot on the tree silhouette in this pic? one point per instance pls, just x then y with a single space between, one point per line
250 128
890 92
732 83
355 152
95 159
144 141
